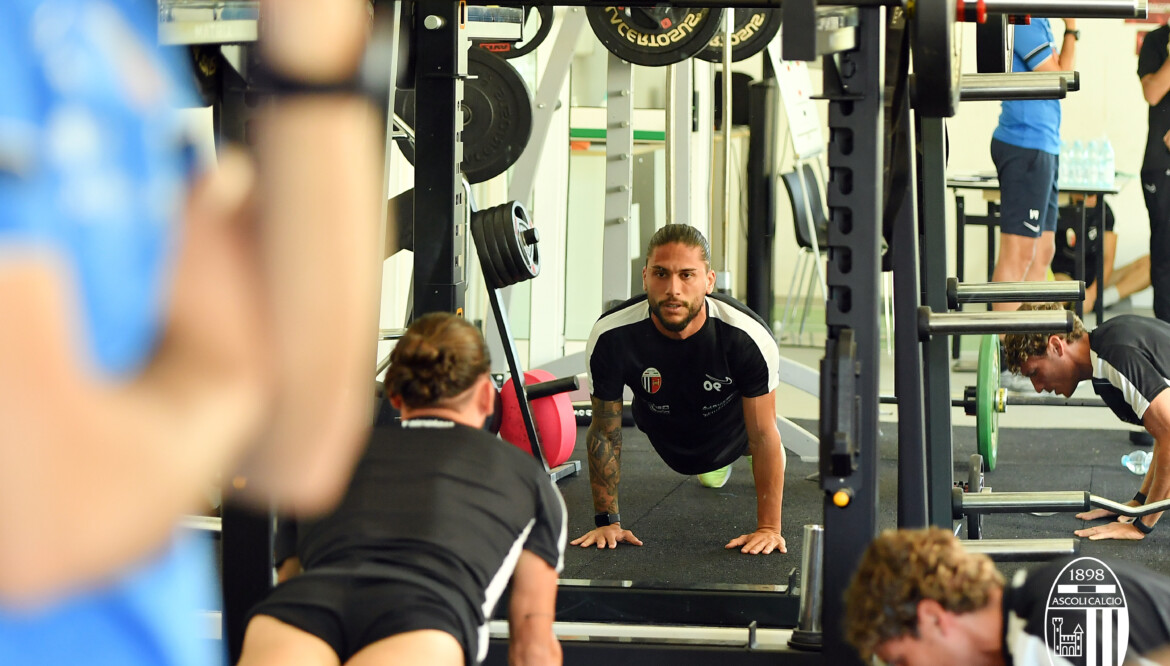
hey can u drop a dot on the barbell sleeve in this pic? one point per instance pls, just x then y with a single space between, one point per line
552 387
1122 9
953 323
1022 550
1013 292
997 87
1071 500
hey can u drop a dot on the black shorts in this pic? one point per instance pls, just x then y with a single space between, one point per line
350 612
1028 188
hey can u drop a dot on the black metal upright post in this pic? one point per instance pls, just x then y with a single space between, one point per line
246 551
936 377
761 205
903 206
853 84
440 207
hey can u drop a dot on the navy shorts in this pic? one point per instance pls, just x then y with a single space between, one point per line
350 612
1028 188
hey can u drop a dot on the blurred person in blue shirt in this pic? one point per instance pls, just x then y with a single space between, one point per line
141 302
1026 150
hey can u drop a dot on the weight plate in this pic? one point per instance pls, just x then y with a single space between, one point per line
524 256
937 56
754 29
536 23
497 116
986 390
654 36
552 416
993 47
487 263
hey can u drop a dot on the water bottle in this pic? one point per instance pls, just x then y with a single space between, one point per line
1093 173
1065 165
1108 165
1137 461
1077 173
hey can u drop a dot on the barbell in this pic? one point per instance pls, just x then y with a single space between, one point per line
987 400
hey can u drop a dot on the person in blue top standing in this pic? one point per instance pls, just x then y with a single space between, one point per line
1026 149
139 306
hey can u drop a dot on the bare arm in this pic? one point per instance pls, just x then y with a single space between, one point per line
93 471
1156 485
1063 60
604 444
768 463
321 168
531 613
1156 85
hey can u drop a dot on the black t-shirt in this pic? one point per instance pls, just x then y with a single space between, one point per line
688 394
1130 355
1085 621
1064 261
1150 60
442 505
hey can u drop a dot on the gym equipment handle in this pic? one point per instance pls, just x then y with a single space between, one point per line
995 87
988 502
1126 510
552 387
950 323
1013 292
1070 8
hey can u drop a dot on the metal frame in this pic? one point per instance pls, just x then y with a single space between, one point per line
853 85
619 175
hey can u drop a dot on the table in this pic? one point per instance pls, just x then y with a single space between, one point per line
989 185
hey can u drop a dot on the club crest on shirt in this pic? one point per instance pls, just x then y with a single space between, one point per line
1087 620
651 380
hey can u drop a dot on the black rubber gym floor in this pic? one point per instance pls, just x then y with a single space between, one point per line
685 526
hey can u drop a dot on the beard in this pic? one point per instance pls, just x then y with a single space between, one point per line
692 311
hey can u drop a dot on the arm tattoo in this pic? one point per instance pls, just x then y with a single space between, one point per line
604 442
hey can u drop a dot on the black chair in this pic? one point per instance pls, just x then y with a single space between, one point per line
808 212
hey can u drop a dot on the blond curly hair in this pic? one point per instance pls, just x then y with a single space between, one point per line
1018 347
901 568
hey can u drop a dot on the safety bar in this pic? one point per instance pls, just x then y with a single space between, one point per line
951 323
1013 292
552 387
1073 500
1023 550
1122 9
997 87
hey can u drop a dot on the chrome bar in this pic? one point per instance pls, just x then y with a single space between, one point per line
1013 292
1071 500
1122 9
1023 550
950 323
995 87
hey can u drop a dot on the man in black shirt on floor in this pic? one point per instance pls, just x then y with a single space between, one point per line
1154 72
919 598
1128 359
703 369
439 516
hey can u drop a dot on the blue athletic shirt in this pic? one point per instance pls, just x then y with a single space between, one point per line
92 171
1031 123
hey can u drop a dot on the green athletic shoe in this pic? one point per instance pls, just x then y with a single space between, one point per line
715 479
